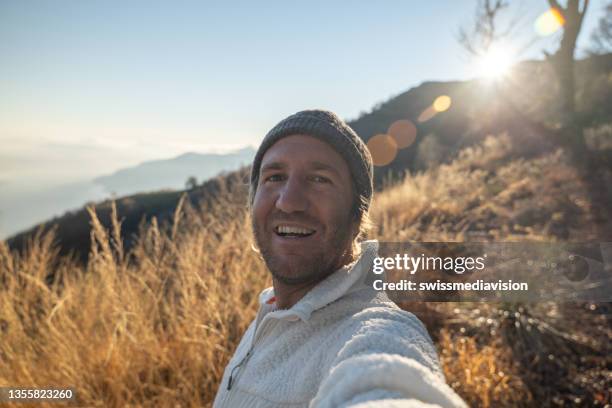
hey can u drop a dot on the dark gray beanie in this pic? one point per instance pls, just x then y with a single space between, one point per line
327 127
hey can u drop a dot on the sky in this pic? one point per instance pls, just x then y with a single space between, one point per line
88 87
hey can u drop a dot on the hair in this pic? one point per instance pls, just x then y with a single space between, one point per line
361 215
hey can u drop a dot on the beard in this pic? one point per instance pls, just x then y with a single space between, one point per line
313 264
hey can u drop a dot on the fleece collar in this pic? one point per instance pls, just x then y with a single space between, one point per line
332 288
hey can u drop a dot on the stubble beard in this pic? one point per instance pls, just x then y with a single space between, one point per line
308 267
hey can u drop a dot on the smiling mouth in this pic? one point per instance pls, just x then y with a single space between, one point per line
287 231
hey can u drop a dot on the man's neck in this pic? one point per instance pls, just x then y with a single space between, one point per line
288 295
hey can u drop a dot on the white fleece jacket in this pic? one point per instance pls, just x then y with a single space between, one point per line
342 345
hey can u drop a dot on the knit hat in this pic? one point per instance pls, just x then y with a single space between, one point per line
329 128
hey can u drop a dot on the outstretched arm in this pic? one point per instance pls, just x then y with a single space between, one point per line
389 362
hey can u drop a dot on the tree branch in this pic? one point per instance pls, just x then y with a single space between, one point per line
554 4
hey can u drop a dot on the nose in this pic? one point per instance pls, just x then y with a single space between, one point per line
292 196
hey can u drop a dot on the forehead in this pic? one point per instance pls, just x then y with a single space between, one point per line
297 150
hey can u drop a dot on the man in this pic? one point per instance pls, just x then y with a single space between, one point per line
322 338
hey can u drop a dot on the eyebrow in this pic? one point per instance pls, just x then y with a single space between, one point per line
316 165
272 166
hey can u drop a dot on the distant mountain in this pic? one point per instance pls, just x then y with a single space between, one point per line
20 210
173 173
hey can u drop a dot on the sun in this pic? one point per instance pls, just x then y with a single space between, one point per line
495 63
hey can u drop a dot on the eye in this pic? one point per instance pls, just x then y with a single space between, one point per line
320 179
273 178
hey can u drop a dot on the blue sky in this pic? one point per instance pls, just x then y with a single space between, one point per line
88 87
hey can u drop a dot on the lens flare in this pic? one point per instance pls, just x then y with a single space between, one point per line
427 114
403 132
549 22
383 149
442 103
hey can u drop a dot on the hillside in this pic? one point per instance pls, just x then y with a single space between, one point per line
156 326
476 111
493 351
73 229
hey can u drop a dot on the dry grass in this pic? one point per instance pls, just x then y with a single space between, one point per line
486 195
154 329
156 326
486 376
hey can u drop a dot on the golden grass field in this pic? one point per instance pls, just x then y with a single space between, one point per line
156 326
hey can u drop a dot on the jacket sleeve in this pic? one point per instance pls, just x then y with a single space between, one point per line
388 361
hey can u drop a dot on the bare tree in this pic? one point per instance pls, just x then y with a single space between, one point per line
486 32
563 59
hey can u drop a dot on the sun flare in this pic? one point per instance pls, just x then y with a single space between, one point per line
495 63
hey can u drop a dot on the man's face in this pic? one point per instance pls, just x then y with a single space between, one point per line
302 210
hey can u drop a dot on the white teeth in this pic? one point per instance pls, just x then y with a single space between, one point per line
285 229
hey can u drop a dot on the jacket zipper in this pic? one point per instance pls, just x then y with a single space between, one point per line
244 359
234 373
